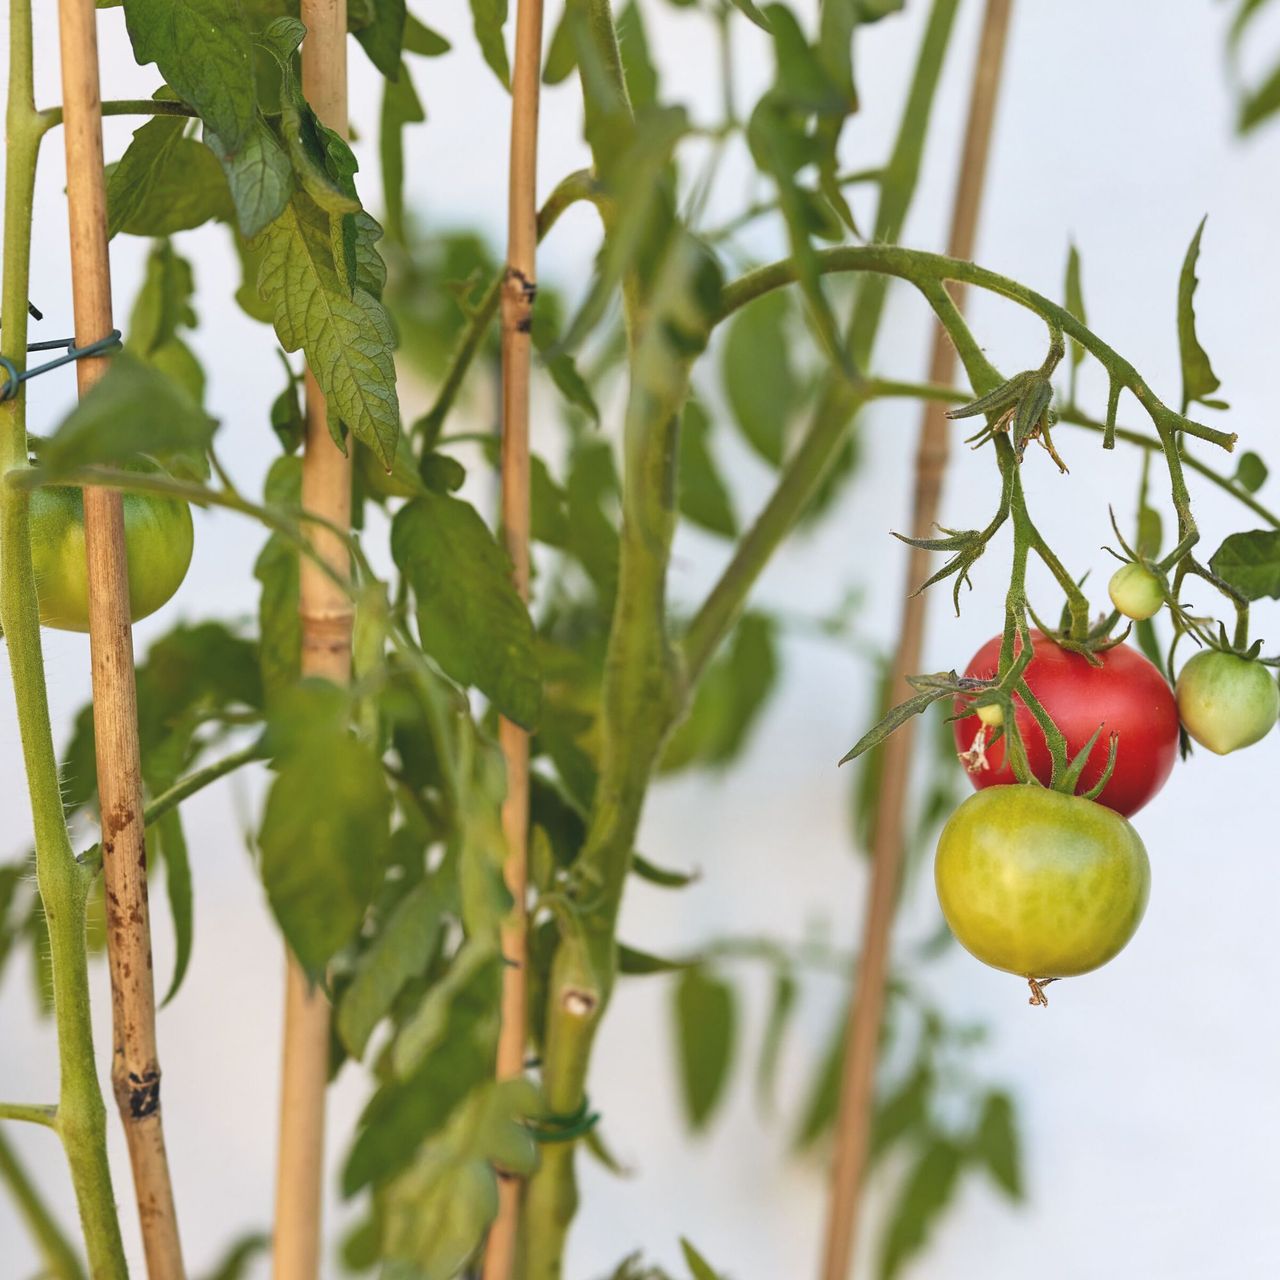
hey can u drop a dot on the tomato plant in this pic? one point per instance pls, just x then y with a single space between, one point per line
464 662
1041 884
1123 693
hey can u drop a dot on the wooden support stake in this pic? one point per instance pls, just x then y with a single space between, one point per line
519 290
327 621
135 1066
866 1011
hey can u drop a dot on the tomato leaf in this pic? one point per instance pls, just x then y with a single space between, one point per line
1198 377
759 382
346 333
635 963
420 39
400 106
488 17
928 1190
699 1267
398 954
1260 104
259 174
1250 563
470 618
1251 472
276 569
202 50
383 38
706 1018
134 408
171 844
165 182
995 1144
1074 297
661 876
325 831
781 1007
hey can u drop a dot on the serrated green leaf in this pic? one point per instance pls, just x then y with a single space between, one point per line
1198 377
1251 472
171 845
704 497
325 831
488 17
763 391
1260 104
470 618
276 569
383 38
781 1006
203 52
133 409
699 1267
928 1190
347 335
1250 563
562 53
165 182
706 1018
420 39
400 107
635 963
995 1143
259 174
396 956
637 62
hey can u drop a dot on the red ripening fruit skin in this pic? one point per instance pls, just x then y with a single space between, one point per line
1126 695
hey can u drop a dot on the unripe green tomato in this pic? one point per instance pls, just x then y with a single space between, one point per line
158 539
1136 592
1041 884
1225 701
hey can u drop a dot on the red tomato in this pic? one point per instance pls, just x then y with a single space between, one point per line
1126 695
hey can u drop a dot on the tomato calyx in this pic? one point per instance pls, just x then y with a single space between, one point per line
1038 996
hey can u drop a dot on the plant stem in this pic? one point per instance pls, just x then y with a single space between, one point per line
866 1009
62 885
840 399
51 117
60 1257
135 1067
519 292
579 185
925 269
327 619
31 1112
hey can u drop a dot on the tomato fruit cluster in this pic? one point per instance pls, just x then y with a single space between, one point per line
1048 885
158 539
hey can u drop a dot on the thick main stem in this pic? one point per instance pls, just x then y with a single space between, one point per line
519 291
853 1123
135 1066
327 619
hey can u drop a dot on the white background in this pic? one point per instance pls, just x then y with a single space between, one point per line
1147 1092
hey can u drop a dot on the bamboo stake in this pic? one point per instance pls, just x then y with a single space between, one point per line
519 291
866 1009
327 622
135 1067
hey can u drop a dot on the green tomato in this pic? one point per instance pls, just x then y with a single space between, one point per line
1225 701
1136 592
1041 884
158 540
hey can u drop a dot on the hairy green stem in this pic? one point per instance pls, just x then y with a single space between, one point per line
30 1112
63 884
578 186
60 1258
51 117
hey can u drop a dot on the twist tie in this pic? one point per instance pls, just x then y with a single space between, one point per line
71 352
565 1128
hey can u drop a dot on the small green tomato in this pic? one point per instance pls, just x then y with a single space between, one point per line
1227 702
1136 592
